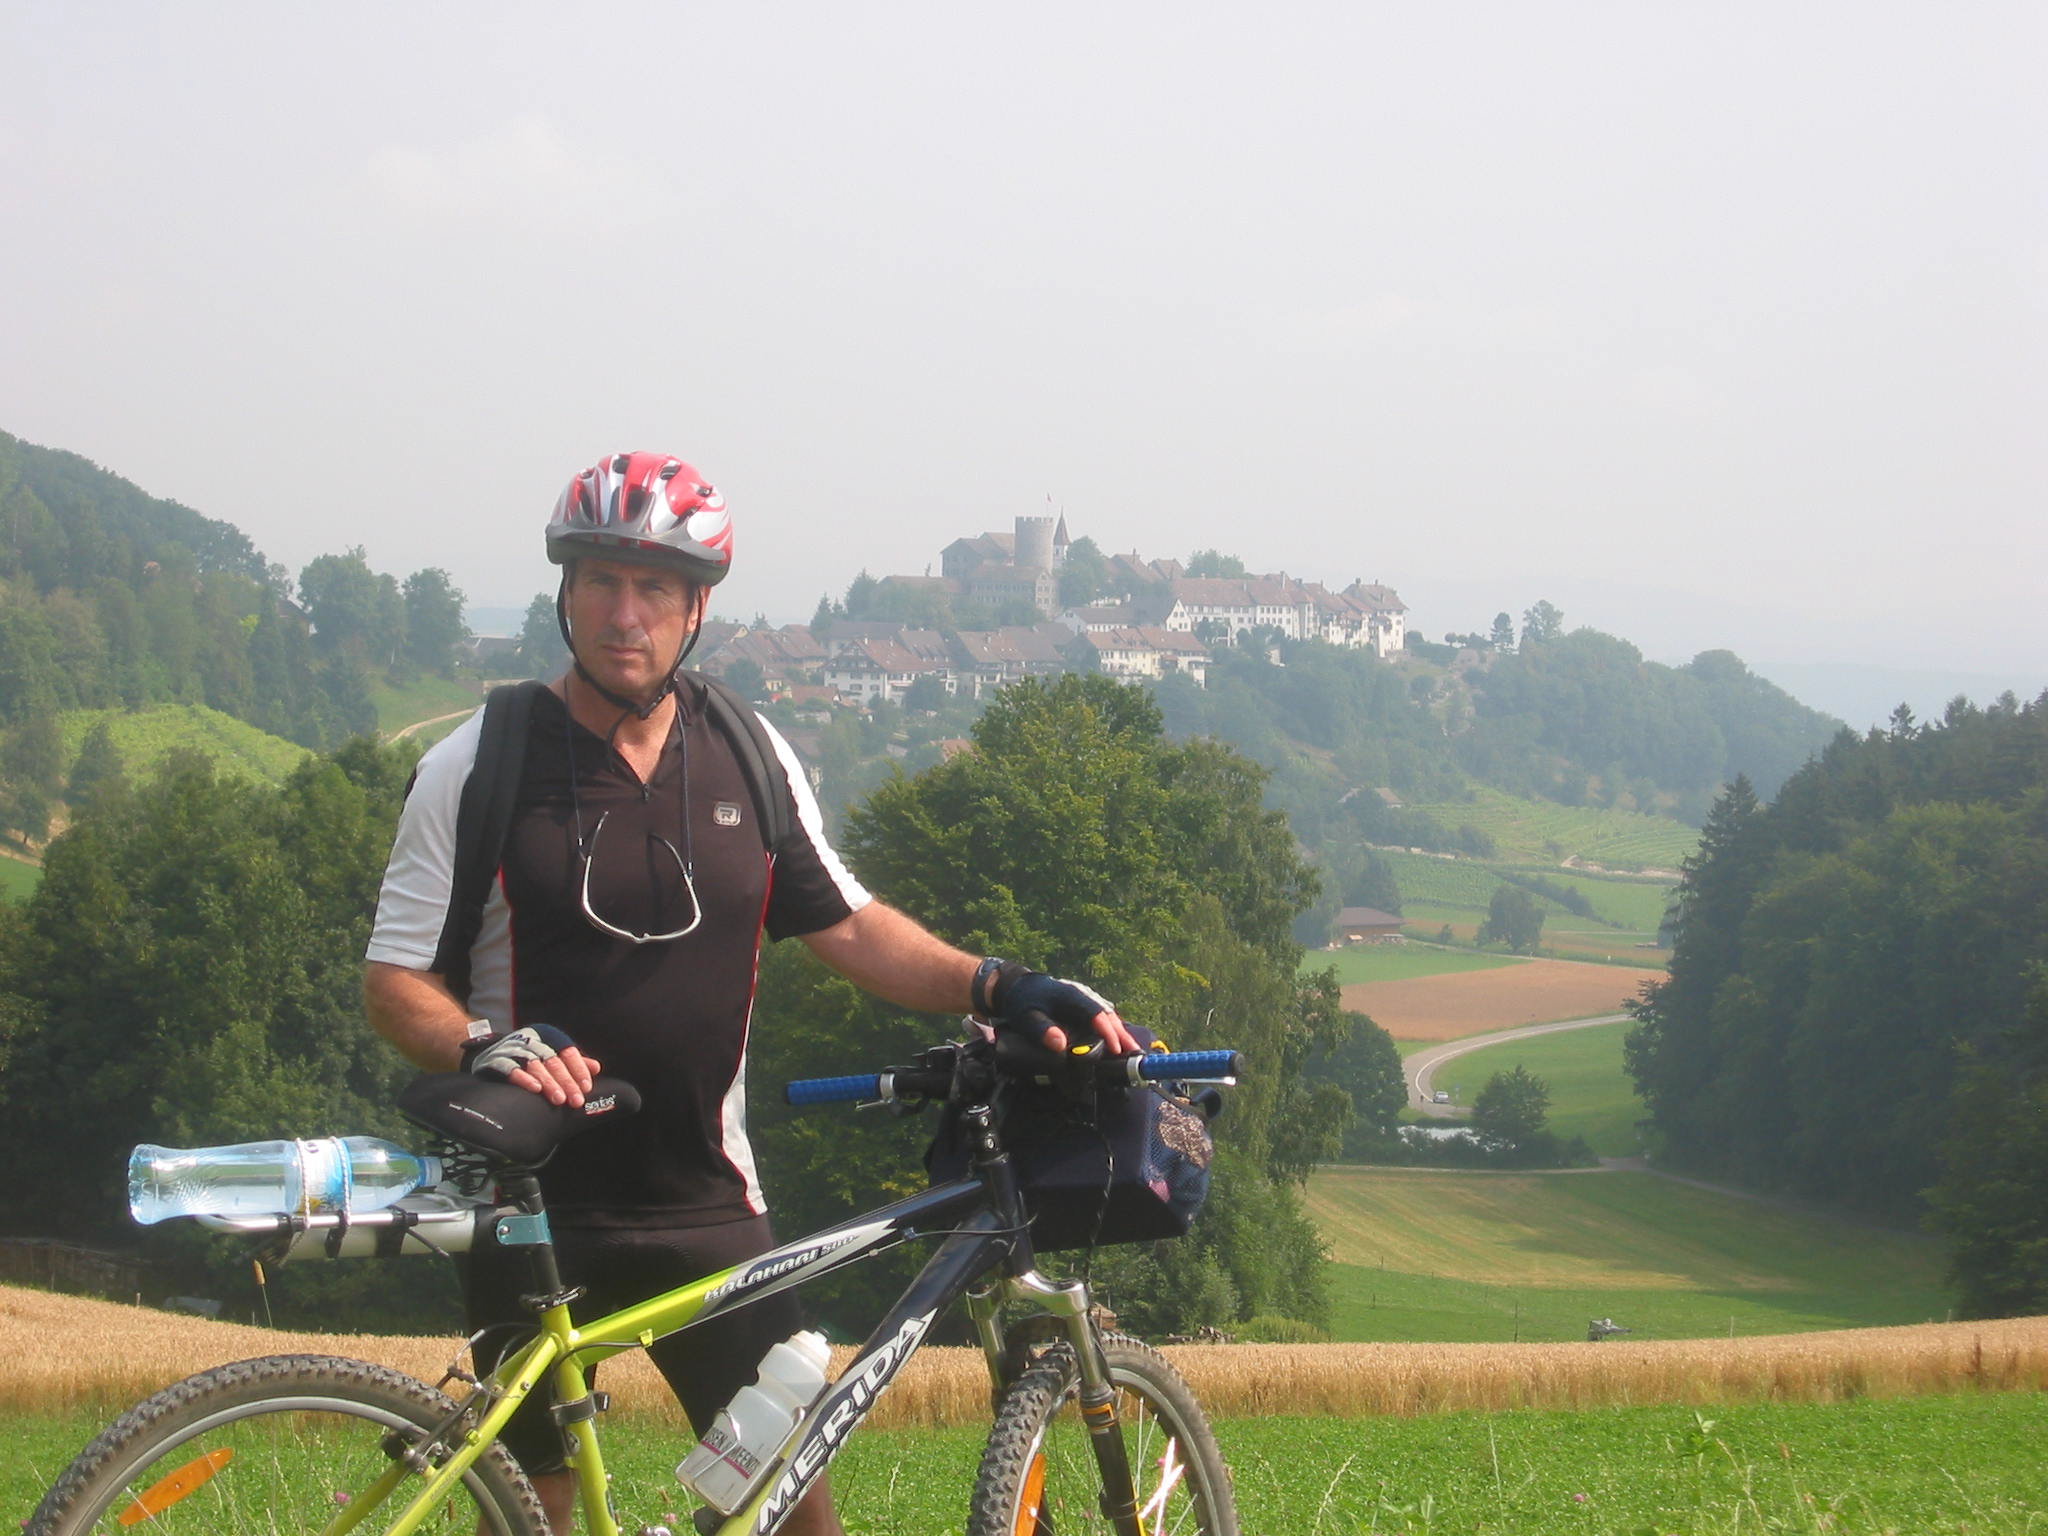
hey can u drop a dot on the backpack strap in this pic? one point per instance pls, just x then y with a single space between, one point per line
482 820
759 762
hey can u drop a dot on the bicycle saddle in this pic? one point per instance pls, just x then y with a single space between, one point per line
507 1122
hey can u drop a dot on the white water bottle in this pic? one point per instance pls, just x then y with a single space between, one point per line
334 1174
741 1447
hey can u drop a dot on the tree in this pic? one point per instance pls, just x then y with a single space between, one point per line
188 971
1992 1198
1512 1107
1085 576
98 775
1077 836
343 597
541 652
1503 637
433 620
1543 623
1513 918
1213 562
746 676
926 692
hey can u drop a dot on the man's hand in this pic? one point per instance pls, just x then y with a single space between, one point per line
537 1057
1045 1009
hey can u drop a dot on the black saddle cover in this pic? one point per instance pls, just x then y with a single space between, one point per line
506 1121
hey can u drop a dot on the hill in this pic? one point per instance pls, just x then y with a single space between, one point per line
1424 1254
145 737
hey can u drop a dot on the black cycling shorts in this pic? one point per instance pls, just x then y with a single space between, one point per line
704 1366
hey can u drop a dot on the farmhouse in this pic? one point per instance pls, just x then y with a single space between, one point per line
1368 925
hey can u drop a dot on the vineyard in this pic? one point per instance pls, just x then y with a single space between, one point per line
1538 832
145 737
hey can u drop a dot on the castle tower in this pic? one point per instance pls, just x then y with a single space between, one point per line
1034 542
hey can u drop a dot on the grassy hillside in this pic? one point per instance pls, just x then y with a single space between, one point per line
1495 1256
17 879
421 699
144 737
1540 832
1590 1093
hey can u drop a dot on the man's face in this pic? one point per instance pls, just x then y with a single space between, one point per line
629 622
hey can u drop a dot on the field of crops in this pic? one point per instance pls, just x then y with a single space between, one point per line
1540 832
145 737
1398 962
1590 1093
1481 1002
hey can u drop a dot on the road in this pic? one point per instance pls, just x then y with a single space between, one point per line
1420 1069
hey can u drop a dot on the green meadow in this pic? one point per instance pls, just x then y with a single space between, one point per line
1475 1256
1932 1466
1590 1093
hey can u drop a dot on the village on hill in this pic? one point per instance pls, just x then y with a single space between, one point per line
1158 621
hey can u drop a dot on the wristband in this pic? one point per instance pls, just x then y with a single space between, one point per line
978 989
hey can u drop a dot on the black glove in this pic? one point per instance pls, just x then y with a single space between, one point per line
1031 1002
502 1055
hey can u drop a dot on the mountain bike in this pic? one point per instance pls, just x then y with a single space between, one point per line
1093 1431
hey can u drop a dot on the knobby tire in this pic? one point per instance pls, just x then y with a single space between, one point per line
282 1443
1039 1476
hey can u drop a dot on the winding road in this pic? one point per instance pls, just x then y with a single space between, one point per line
1420 1069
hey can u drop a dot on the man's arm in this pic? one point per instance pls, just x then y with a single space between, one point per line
417 1013
882 951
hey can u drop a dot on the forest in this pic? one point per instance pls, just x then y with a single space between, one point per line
1856 1011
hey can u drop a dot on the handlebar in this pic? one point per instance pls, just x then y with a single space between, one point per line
904 1083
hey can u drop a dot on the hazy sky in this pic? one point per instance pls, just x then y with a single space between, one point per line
1716 325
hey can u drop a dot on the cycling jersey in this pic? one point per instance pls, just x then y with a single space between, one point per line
671 1017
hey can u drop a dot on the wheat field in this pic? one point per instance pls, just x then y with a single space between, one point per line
67 1352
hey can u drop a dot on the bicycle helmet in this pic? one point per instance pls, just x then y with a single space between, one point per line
647 508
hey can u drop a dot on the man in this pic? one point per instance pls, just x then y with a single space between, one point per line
623 929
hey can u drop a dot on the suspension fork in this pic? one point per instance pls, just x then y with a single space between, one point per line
1068 1303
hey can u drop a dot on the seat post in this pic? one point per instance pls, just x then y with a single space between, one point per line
521 1223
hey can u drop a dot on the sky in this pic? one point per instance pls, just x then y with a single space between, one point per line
1717 326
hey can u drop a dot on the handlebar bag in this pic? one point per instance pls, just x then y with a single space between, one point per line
1136 1171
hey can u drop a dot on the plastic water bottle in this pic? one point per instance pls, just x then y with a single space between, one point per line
742 1445
333 1175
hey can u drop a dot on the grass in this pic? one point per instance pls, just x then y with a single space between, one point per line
1397 962
1590 1092
1540 832
421 699
144 737
1934 1465
1458 1255
17 879
1627 910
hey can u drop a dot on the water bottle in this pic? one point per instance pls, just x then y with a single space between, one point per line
741 1447
335 1174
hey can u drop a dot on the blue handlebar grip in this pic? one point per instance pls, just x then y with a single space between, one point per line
1171 1064
834 1090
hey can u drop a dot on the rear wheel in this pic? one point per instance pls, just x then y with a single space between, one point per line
288 1442
1039 1476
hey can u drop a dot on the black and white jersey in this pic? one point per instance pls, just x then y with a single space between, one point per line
671 1017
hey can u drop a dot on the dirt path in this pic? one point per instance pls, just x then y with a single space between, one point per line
1420 1069
420 725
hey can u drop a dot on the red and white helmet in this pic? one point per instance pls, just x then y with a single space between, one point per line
644 507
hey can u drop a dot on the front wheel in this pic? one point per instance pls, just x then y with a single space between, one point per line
288 1442
1039 1477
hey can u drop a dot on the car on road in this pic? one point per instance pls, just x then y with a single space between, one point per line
1440 1097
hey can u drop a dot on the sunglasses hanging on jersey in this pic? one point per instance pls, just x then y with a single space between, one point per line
587 851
